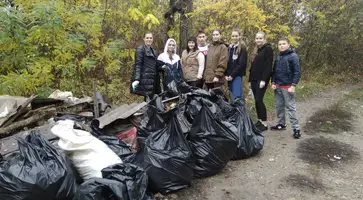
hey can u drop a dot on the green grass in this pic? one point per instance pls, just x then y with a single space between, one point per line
356 94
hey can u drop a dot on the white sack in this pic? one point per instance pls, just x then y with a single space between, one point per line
89 154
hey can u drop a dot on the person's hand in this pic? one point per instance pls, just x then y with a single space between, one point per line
199 77
230 78
135 84
262 84
249 85
273 87
163 67
291 89
215 80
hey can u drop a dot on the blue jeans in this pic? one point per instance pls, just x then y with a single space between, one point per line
235 87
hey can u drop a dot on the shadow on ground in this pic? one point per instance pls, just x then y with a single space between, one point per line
333 119
304 183
326 152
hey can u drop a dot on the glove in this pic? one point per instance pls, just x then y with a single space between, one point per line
215 80
262 84
199 77
135 84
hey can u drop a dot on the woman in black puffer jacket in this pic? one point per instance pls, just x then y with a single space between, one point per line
145 80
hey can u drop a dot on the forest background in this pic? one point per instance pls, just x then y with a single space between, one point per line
69 44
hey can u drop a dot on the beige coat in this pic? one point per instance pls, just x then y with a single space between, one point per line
190 65
216 63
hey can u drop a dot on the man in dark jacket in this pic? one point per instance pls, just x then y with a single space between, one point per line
285 77
145 79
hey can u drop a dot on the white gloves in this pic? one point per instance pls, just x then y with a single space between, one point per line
135 84
215 80
262 84
199 77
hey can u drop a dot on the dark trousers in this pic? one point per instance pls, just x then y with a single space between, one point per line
198 83
259 94
210 86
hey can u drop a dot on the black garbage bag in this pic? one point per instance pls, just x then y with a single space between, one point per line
251 140
116 145
165 155
134 178
154 118
37 171
100 189
119 182
212 140
194 104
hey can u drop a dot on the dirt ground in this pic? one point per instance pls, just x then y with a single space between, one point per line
326 163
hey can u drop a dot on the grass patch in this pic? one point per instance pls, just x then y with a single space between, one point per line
333 119
355 95
304 182
306 89
326 152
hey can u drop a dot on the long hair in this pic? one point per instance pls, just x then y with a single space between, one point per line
192 39
242 43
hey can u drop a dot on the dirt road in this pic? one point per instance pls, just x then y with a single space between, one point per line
326 163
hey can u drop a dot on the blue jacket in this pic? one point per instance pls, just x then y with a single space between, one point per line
286 69
173 72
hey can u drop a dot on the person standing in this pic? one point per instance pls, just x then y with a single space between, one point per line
193 64
145 80
172 65
236 68
285 77
202 42
216 62
260 74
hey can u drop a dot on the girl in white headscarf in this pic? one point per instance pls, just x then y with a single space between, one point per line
172 67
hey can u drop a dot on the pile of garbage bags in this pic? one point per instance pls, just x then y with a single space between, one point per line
194 135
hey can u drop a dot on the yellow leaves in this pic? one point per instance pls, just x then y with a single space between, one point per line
151 20
135 14
74 41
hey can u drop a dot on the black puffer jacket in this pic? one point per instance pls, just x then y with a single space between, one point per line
261 68
146 70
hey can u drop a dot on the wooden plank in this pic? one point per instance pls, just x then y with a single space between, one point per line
21 110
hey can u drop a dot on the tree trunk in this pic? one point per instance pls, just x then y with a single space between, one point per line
185 24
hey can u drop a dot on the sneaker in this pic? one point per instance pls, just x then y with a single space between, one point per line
260 126
296 134
278 127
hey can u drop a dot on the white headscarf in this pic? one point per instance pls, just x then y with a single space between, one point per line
165 55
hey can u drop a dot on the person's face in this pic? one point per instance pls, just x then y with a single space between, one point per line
171 46
235 37
191 45
216 36
283 45
148 39
202 38
260 39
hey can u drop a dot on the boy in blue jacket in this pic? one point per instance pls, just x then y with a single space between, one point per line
285 77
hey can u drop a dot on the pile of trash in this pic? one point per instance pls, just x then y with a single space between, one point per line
132 151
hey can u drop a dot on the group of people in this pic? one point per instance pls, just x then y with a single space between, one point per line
208 66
